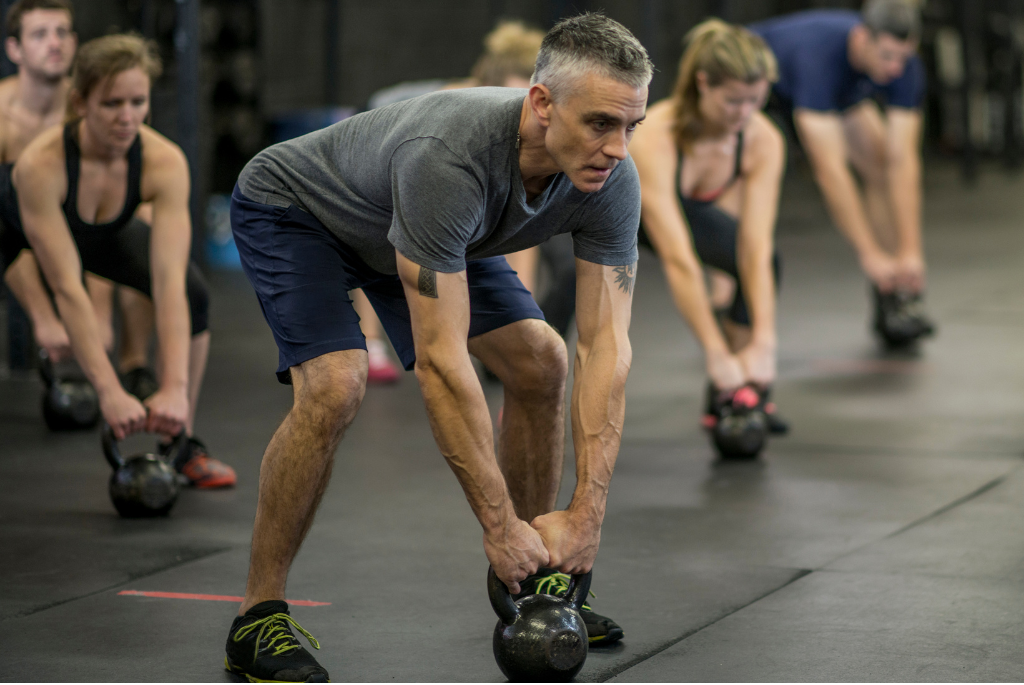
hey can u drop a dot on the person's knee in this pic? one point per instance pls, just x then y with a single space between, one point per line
872 163
331 387
540 368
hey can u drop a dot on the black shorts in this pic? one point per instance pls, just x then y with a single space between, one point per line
302 274
122 256
714 238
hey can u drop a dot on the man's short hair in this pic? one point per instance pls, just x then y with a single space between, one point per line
589 43
22 7
899 18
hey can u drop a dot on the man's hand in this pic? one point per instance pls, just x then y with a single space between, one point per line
881 269
725 370
758 360
910 272
168 411
571 540
515 552
53 337
123 412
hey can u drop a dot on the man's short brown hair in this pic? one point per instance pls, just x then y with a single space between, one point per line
22 7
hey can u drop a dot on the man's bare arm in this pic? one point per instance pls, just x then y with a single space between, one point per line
822 136
604 296
457 409
25 281
904 153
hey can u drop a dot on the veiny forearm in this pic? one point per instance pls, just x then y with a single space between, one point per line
905 196
462 429
598 414
173 329
76 311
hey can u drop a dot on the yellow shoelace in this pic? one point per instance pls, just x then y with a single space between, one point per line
274 629
556 584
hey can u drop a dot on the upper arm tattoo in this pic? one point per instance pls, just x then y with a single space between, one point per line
428 282
625 277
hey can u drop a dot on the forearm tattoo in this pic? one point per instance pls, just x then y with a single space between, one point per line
428 282
624 278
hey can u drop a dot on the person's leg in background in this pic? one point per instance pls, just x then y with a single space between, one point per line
382 370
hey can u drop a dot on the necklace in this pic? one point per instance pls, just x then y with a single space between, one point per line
517 139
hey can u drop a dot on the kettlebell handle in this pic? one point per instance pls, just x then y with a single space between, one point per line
508 611
112 451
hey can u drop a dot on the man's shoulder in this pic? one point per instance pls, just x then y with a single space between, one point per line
801 28
466 120
8 86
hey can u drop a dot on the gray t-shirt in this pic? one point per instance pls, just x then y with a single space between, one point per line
437 178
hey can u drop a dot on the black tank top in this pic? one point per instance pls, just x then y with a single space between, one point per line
73 160
708 198
132 198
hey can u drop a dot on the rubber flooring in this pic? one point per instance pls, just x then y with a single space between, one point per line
879 541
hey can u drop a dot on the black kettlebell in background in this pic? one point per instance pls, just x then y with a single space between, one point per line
69 403
144 485
742 427
540 638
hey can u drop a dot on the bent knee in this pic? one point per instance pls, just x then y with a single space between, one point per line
542 365
331 386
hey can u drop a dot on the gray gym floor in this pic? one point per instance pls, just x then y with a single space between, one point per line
880 541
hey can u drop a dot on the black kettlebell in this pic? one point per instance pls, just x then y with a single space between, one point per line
539 638
144 485
742 427
69 403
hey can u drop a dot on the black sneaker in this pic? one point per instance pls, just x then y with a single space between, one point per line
262 647
547 581
140 382
900 320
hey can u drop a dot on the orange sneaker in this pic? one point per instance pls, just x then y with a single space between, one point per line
202 470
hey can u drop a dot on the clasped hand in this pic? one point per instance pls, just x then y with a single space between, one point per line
165 412
559 540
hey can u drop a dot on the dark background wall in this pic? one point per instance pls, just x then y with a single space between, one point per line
382 43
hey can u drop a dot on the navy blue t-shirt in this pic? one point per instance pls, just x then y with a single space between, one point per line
814 71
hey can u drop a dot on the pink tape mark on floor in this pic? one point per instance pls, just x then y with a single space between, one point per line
212 598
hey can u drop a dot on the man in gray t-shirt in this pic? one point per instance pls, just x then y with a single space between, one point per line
414 203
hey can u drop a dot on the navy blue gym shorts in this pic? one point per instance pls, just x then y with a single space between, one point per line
303 273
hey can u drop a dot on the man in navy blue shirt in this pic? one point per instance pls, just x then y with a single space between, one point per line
854 86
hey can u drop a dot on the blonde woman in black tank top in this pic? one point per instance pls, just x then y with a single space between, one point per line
74 190
710 166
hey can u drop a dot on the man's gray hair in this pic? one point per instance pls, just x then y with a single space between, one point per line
899 18
590 43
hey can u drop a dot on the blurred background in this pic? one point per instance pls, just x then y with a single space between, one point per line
242 74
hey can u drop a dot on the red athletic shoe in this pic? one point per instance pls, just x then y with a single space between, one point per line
205 472
382 371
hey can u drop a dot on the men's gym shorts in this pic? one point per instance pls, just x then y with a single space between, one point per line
302 274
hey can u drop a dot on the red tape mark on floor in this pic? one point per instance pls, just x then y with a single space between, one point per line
213 598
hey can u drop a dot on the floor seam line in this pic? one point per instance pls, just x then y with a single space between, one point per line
615 671
946 508
132 579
